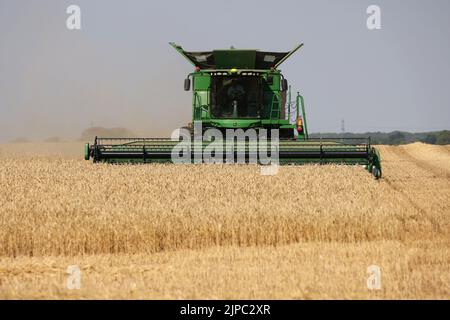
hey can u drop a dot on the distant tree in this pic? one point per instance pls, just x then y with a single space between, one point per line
396 137
430 138
443 137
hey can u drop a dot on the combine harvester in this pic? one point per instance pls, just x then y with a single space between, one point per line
241 89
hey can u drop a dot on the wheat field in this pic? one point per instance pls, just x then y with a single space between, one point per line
223 231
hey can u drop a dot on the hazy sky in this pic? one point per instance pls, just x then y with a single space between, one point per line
119 70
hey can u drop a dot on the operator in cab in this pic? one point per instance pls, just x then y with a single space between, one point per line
236 98
236 90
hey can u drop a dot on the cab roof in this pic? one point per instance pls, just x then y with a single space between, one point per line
235 58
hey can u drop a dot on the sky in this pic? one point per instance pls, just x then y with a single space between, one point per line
118 70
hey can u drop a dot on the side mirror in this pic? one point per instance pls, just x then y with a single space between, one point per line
187 84
284 85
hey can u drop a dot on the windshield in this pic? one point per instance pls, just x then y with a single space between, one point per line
236 97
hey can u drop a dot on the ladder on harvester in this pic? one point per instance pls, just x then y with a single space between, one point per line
275 111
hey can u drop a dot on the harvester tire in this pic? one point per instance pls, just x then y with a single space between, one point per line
86 151
376 172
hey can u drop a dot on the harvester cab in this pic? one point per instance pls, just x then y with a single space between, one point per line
242 90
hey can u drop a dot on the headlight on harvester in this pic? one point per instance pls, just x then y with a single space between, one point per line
299 125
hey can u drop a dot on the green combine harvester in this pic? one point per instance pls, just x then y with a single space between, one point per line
237 90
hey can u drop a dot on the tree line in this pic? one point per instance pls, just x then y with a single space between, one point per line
395 137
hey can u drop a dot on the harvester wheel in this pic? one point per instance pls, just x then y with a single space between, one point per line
86 151
376 172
